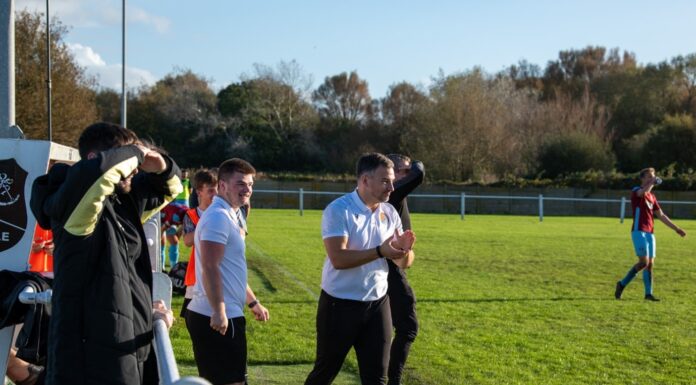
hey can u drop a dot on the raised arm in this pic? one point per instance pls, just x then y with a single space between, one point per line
407 184
80 199
157 185
646 188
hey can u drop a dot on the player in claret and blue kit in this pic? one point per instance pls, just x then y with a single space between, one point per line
645 208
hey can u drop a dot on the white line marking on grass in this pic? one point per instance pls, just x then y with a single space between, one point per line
258 250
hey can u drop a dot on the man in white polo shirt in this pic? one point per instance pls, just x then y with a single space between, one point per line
215 316
360 231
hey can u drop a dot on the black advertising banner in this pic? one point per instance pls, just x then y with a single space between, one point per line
13 209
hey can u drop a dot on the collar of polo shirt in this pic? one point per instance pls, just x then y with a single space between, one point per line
359 202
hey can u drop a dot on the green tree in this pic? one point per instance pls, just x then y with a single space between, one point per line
399 115
73 98
673 143
574 152
179 113
272 110
576 70
344 97
474 128
347 126
108 105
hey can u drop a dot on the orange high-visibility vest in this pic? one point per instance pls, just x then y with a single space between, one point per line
190 278
41 261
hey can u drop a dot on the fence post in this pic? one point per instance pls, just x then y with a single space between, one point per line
623 208
462 204
541 208
301 202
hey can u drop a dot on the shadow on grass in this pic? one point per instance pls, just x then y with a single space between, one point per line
468 300
485 300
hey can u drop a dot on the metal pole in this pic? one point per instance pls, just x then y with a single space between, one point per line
541 208
7 65
124 93
301 202
168 371
48 72
623 209
462 204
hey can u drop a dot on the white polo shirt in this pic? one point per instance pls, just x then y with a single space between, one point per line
349 217
220 224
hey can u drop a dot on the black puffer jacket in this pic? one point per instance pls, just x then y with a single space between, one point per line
101 326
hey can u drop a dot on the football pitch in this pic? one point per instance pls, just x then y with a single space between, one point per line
501 300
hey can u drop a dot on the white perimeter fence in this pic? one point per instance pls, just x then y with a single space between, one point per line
558 205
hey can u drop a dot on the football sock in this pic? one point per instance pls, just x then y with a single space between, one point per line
629 277
647 281
173 255
163 255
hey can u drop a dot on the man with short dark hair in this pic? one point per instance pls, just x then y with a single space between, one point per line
215 315
102 310
205 186
360 232
402 299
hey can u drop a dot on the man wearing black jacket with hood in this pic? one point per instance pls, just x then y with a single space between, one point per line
101 326
402 300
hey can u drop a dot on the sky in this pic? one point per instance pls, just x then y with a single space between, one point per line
385 41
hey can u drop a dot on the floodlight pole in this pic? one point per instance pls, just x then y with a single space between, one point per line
124 92
48 72
7 66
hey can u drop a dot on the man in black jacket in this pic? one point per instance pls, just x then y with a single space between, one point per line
101 326
401 297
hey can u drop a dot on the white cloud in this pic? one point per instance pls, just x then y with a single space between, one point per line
85 56
95 13
109 75
138 15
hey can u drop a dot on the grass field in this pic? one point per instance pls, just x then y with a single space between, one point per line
501 300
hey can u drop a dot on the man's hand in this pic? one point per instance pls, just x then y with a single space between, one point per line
389 251
37 245
404 241
48 247
681 232
219 322
153 162
160 311
260 312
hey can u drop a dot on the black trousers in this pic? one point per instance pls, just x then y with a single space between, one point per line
342 324
403 312
221 359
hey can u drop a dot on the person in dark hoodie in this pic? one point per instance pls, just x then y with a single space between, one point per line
402 299
101 326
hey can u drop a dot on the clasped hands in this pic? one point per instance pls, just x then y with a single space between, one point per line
399 245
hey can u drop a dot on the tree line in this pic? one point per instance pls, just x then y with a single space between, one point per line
589 109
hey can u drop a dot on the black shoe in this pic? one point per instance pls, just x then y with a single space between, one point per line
619 290
649 297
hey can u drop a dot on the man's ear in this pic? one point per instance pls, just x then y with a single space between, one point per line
91 155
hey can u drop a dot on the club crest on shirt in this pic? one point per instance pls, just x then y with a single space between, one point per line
382 217
649 204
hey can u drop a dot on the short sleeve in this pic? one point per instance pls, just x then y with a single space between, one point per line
656 206
217 228
189 227
334 222
398 225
